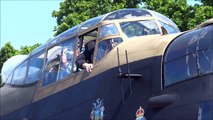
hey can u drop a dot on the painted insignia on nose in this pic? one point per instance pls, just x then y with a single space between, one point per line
140 114
97 110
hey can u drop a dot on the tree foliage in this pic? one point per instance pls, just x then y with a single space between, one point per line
27 49
199 15
6 52
74 12
185 16
206 2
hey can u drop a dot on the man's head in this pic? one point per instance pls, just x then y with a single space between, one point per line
66 55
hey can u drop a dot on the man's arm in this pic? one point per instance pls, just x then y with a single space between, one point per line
84 60
88 67
80 60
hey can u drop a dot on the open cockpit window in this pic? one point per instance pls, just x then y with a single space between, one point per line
84 39
139 28
85 48
59 63
105 46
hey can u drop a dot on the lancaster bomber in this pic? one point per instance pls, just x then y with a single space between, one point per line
144 68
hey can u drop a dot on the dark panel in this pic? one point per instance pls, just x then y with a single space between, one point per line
14 98
46 107
183 112
189 95
156 75
76 102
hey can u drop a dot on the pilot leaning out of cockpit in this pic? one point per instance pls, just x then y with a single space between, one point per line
85 59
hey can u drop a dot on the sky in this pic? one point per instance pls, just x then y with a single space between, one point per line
27 22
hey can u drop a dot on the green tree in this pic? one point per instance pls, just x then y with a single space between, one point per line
6 52
206 2
200 14
174 10
27 49
185 16
74 12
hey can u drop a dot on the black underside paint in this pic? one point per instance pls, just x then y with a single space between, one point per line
76 102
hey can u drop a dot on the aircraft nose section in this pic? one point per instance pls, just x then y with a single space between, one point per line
9 65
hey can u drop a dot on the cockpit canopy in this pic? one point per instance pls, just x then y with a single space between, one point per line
189 55
158 19
9 65
108 30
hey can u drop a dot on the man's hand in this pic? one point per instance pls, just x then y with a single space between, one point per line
88 67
